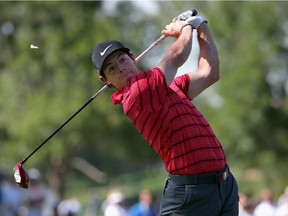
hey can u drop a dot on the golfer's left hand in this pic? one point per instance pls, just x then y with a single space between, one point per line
185 15
191 17
196 21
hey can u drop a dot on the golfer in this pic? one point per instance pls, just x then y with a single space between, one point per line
159 105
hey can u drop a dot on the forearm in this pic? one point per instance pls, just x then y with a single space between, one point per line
180 50
208 59
177 53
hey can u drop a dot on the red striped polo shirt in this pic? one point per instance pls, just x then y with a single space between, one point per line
170 123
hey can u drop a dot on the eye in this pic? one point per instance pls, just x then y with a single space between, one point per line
122 59
111 69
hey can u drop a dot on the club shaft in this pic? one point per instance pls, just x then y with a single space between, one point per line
152 46
68 120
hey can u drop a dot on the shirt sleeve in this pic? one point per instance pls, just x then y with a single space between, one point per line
182 83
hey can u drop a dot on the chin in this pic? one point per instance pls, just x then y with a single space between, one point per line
127 79
130 76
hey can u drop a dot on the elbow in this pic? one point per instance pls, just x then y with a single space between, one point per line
214 73
216 70
210 69
213 78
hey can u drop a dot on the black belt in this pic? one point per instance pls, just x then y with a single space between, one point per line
206 178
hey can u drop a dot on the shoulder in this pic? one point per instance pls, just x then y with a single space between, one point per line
149 77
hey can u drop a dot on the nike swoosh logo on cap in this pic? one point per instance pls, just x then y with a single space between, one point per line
104 51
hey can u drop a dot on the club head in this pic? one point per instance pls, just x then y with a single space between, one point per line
21 177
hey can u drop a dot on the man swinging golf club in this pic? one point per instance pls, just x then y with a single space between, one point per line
159 105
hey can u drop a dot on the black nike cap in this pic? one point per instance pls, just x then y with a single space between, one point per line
103 50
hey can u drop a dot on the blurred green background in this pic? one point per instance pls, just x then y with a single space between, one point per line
100 149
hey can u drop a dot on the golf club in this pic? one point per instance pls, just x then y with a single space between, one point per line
21 177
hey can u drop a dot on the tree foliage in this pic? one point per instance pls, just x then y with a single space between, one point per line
41 88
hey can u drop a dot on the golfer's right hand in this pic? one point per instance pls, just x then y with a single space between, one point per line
174 29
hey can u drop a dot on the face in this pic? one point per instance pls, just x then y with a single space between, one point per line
118 69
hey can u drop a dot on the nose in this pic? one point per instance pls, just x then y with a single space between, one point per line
121 69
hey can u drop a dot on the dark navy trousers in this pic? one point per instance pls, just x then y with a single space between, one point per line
216 199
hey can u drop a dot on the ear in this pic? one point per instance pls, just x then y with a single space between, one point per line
132 56
104 80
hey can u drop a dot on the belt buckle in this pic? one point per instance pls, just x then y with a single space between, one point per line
222 177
